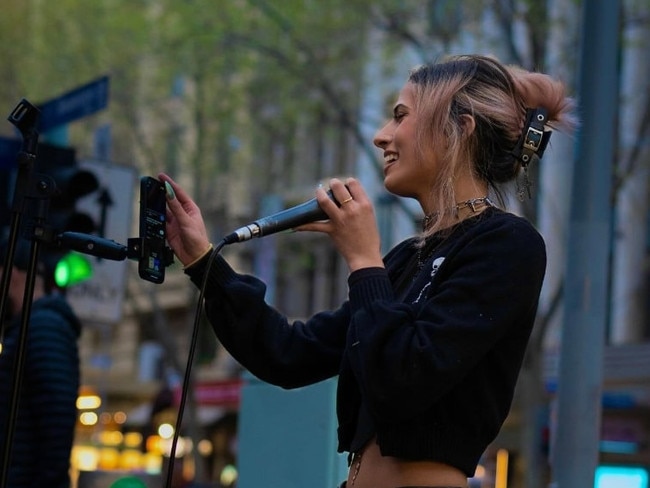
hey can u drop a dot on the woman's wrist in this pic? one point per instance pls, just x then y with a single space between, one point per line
199 257
365 263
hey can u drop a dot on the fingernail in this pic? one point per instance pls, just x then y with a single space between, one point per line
170 191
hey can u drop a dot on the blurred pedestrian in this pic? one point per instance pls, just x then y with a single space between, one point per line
45 423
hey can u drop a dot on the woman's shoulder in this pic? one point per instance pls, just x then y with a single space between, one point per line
509 232
494 225
497 218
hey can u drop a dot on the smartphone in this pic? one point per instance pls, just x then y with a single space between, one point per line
153 234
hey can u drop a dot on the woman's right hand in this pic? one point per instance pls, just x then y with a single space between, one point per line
186 232
352 224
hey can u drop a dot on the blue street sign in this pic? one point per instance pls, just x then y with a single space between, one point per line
75 104
80 102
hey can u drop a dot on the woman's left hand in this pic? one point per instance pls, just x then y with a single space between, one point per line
186 232
351 226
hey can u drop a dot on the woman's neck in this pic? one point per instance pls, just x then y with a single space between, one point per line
461 211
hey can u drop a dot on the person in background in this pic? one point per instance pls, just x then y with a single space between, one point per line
430 342
44 429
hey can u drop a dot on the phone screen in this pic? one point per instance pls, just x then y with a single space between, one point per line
151 265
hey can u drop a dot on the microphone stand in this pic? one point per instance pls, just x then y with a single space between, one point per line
32 194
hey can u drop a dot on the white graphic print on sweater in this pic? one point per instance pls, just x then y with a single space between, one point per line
435 265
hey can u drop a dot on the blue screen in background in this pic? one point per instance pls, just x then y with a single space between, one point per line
621 477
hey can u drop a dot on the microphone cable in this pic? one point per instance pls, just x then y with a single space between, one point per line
190 361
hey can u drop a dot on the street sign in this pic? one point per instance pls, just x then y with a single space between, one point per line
100 298
75 104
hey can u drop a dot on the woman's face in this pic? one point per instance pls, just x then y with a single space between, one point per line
407 173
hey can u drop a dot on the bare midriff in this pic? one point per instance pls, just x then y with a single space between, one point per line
369 469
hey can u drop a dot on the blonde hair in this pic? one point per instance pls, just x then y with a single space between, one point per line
497 97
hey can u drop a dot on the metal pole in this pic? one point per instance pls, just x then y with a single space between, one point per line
576 436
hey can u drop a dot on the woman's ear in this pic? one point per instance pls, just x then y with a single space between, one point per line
468 124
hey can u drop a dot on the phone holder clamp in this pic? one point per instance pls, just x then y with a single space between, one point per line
136 250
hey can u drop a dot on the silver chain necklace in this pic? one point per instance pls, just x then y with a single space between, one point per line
474 204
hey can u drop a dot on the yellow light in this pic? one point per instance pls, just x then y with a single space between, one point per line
130 459
501 475
85 458
204 447
132 439
152 463
153 444
110 437
88 418
109 458
88 402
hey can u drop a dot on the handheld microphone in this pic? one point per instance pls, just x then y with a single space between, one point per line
292 217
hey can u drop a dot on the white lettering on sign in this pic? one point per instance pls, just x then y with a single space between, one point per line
93 291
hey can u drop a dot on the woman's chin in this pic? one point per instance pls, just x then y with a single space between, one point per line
393 186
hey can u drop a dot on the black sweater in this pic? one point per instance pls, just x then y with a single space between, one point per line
432 352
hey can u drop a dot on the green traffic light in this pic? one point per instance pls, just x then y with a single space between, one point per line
71 269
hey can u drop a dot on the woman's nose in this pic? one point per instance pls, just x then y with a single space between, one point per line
382 138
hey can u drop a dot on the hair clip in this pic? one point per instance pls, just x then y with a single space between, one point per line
534 138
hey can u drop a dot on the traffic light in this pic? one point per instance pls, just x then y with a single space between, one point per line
72 268
72 183
65 267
